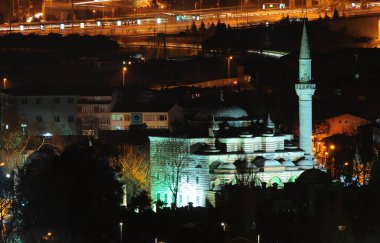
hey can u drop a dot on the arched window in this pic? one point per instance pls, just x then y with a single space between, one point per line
277 180
292 179
257 181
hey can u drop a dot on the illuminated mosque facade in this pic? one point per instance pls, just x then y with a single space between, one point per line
205 163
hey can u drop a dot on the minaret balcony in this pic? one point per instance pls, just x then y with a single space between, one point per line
305 86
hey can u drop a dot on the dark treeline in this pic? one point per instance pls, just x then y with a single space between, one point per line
72 43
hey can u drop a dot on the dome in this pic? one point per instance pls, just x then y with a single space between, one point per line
220 112
288 163
313 176
268 163
226 166
306 163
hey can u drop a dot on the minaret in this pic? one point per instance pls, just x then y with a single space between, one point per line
305 90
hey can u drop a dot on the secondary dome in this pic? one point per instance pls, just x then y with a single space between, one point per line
226 166
313 176
268 163
306 163
220 112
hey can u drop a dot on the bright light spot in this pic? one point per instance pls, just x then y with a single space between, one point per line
121 223
353 5
42 27
21 28
139 21
8 175
6 126
36 16
159 20
332 146
129 62
47 134
346 164
98 23
2 163
118 23
198 17
266 24
222 224
62 26
81 25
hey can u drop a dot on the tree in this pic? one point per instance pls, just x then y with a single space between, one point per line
75 195
193 28
335 14
133 168
244 172
172 158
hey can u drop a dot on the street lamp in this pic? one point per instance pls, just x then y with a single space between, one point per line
5 83
224 226
121 231
124 71
229 59
23 127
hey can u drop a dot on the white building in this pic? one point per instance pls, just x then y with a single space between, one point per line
47 111
154 116
221 134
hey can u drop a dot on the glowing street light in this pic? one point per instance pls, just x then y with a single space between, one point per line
224 226
121 231
332 146
159 20
124 72
62 26
229 59
5 80
82 25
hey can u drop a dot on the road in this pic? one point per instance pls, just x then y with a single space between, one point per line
171 22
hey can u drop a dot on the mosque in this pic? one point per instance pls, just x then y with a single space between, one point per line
194 168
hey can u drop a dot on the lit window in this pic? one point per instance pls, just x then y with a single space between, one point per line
104 121
162 117
149 118
127 117
361 98
158 196
103 109
57 100
87 109
56 118
116 117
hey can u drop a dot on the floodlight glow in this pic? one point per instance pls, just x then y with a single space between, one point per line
21 28
42 27
139 21
98 23
82 25
47 134
62 26
118 23
159 20
8 175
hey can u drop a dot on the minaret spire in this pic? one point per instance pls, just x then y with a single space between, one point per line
304 57
305 90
